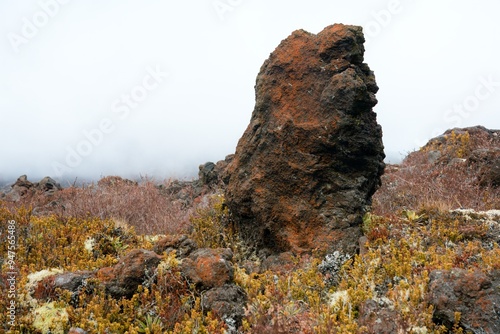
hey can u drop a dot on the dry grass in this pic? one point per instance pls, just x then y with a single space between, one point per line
148 207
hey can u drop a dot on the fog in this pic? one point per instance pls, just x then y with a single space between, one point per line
155 88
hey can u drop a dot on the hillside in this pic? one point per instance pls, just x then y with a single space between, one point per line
426 219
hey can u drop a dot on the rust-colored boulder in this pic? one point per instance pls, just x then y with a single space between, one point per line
228 302
132 270
475 295
312 156
209 268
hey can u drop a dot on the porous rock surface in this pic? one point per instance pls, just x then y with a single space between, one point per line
312 156
473 294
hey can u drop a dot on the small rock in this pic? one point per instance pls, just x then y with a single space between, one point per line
21 188
181 244
227 302
48 185
207 174
279 263
134 269
209 268
114 181
433 156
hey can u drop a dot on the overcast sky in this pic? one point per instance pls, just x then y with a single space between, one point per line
157 87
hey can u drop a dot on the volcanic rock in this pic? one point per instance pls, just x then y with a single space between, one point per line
19 189
312 156
115 181
207 174
208 268
132 270
379 318
228 302
71 281
180 244
48 185
475 295
23 187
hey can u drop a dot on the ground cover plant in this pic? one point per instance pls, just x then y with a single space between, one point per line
418 224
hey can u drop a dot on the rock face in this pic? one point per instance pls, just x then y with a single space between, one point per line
228 302
476 148
134 269
378 318
209 268
312 155
474 294
180 244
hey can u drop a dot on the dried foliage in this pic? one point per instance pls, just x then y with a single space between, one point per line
148 207
410 232
447 181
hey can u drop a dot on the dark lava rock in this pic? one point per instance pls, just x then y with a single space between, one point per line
228 302
208 268
181 244
379 319
312 156
132 270
48 185
475 295
207 174
71 281
23 187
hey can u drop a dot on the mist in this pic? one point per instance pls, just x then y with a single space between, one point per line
156 88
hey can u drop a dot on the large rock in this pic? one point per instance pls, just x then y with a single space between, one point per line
475 295
312 156
134 269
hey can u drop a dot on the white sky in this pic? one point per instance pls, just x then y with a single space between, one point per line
66 70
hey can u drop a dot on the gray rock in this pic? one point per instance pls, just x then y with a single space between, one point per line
227 302
476 295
